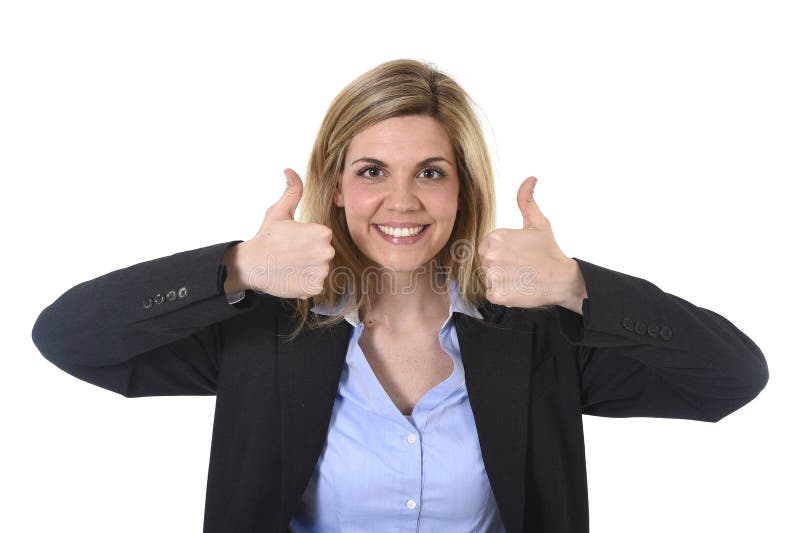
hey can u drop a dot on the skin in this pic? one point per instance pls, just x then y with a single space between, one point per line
407 192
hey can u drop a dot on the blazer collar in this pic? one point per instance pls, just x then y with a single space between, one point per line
457 303
496 353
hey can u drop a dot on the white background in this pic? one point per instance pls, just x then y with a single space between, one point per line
664 136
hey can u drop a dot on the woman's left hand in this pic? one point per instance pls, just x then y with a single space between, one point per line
525 267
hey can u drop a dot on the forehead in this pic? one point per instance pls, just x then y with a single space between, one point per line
413 136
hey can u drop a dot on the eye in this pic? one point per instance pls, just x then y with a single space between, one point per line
367 169
437 170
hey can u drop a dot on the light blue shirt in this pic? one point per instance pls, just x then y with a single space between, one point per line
383 471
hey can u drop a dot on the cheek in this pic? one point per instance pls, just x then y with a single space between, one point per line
445 206
358 212
361 203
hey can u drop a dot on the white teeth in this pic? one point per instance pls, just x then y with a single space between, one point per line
400 232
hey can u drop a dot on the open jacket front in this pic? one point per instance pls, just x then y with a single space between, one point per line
164 327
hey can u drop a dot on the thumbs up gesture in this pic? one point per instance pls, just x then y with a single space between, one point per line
525 267
286 258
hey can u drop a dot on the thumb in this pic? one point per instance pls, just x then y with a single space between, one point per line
284 208
532 216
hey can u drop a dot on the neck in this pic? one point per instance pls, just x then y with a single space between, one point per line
407 299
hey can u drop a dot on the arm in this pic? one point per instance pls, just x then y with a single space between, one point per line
644 352
151 329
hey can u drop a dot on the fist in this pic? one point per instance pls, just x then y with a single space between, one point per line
525 267
286 258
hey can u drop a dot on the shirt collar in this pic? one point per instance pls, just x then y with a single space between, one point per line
457 303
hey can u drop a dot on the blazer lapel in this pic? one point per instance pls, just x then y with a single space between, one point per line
496 353
309 369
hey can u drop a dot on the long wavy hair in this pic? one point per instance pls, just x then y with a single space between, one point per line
395 88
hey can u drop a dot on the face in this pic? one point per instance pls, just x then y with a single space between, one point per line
400 173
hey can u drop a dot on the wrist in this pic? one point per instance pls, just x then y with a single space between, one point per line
235 279
575 288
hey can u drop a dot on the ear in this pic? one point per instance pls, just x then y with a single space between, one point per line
338 198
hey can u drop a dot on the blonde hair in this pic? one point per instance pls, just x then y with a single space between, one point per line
395 88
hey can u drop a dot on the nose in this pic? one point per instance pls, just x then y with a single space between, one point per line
402 196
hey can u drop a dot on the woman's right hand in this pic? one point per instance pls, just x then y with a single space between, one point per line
286 258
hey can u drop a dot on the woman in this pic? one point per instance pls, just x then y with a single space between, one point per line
374 378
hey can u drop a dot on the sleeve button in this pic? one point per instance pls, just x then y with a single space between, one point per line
653 331
148 303
159 298
182 292
627 323
666 333
171 296
641 327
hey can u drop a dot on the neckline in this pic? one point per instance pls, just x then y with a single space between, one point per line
457 304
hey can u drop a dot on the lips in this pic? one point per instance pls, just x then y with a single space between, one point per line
408 239
414 226
401 224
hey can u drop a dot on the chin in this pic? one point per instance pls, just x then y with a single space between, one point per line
401 265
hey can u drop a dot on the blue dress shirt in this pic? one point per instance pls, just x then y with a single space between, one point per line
384 471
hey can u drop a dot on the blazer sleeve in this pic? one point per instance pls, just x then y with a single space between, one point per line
151 329
647 353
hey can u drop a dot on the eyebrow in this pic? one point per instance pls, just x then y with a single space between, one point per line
421 163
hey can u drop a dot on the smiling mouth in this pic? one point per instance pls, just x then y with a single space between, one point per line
401 232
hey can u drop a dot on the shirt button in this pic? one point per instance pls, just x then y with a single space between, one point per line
412 439
411 504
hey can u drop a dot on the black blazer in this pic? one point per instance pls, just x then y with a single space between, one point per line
164 327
